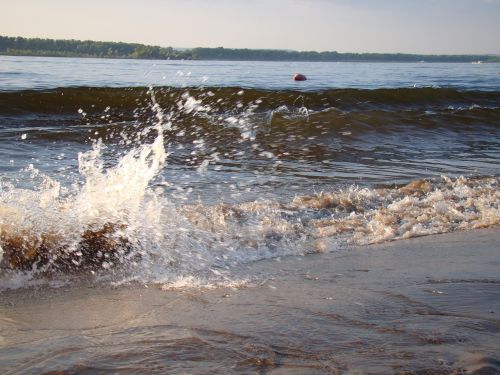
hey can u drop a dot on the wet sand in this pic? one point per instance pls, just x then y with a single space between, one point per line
429 305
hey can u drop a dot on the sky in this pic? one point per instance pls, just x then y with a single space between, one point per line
406 26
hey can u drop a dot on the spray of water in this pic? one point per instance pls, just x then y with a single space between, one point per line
51 228
119 227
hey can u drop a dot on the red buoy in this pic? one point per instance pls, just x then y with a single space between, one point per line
299 77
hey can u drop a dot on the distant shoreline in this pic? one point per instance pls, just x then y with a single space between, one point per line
256 60
18 46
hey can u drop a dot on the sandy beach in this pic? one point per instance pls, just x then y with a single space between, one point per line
428 305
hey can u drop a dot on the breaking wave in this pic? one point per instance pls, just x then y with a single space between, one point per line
119 223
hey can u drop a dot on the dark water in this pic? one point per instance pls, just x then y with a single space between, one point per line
120 172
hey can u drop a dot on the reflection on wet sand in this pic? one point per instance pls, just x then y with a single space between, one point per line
380 309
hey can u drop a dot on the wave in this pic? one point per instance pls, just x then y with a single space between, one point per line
94 100
190 238
73 113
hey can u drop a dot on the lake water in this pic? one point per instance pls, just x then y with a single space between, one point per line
182 174
18 73
229 162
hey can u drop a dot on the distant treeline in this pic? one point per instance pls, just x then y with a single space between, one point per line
76 48
85 48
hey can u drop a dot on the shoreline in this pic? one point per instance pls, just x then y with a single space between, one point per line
424 304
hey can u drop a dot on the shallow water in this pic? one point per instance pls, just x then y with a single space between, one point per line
189 178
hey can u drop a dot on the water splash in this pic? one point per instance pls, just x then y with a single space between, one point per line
51 228
120 226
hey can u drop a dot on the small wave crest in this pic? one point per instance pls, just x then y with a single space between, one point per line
125 101
80 114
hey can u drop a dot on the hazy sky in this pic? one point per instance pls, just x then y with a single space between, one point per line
418 26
